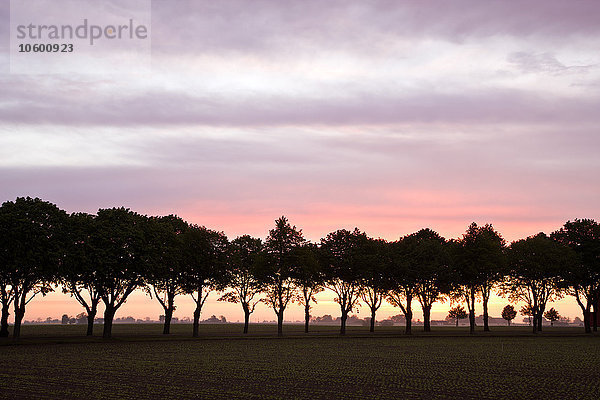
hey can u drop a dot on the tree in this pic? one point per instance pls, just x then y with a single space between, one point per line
166 270
483 251
527 311
402 279
244 286
536 265
78 273
341 266
552 315
308 278
427 249
582 280
31 250
204 257
6 290
457 313
121 239
373 257
280 261
509 313
465 278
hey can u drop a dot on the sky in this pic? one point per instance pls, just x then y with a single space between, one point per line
389 116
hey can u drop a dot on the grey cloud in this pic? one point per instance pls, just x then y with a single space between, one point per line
544 62
241 25
31 102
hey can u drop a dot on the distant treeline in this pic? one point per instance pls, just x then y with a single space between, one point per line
107 256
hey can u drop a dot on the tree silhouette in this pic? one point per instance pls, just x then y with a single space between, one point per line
242 283
527 311
552 315
457 313
277 270
509 313
31 248
484 250
427 250
465 277
78 275
373 258
402 279
204 268
166 278
122 239
6 290
582 280
535 270
308 278
340 260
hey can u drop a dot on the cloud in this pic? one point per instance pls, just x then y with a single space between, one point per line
544 62
262 26
28 102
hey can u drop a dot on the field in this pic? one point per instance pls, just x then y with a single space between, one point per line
56 362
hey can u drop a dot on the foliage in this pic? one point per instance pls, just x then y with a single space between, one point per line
242 285
341 260
582 278
31 250
204 258
535 273
552 315
402 275
428 255
121 238
457 313
478 265
307 277
509 313
79 276
279 263
166 274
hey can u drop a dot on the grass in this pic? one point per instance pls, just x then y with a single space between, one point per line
56 362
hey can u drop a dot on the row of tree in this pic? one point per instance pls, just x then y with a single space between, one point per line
107 256
508 313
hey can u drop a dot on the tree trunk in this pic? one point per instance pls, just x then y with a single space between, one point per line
90 322
486 325
246 319
306 317
471 322
19 305
540 320
427 318
586 320
109 315
19 314
168 317
196 321
280 323
595 317
457 322
4 320
343 322
534 324
408 315
372 328
471 307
